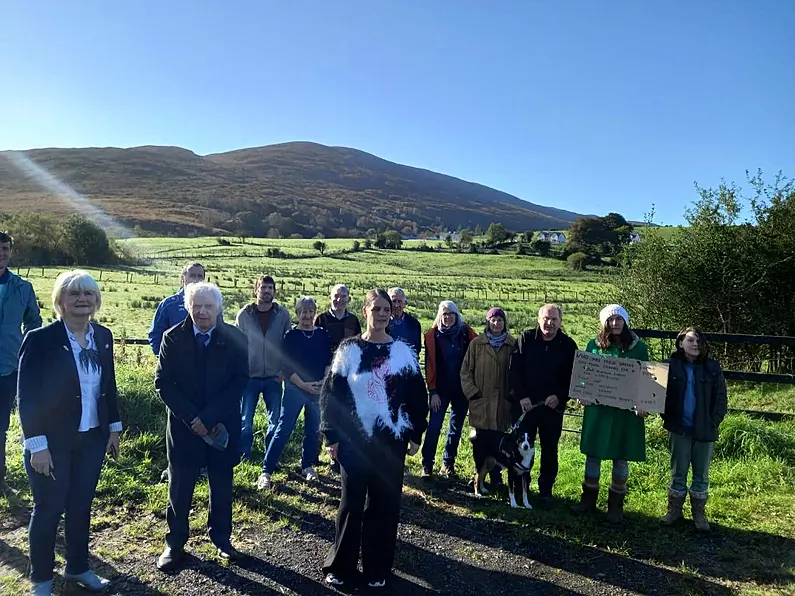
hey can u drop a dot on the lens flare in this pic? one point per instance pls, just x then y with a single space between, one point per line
78 202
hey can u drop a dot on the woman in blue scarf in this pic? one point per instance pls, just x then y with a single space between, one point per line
484 376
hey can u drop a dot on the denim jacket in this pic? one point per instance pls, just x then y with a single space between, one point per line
19 313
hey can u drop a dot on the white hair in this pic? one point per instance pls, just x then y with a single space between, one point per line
202 287
399 291
75 279
452 307
339 288
305 302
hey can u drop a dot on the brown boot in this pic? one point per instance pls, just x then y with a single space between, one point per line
615 507
676 499
588 499
698 502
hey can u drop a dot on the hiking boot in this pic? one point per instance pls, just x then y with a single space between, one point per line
588 499
698 504
676 500
88 581
310 475
615 507
264 482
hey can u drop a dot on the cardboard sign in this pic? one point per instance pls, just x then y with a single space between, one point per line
619 382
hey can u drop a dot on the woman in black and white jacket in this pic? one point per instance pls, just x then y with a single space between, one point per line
374 409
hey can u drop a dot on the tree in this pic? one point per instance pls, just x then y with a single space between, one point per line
466 238
598 237
541 247
357 246
478 231
448 240
496 233
319 246
577 261
389 239
726 272
521 248
84 241
368 244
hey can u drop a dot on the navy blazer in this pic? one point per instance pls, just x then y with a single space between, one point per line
211 392
48 386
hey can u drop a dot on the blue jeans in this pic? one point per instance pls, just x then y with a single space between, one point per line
459 405
687 453
294 401
8 390
271 390
76 472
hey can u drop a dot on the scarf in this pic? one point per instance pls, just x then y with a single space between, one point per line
496 341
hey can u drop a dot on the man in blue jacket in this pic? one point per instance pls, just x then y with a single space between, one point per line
19 313
171 310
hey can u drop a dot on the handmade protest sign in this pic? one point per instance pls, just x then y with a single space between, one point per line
619 382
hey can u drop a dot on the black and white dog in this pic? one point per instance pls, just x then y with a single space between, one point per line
513 451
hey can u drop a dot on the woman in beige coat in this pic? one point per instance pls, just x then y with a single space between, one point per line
484 377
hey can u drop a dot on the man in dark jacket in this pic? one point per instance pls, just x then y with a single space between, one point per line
403 325
201 374
19 313
540 374
339 323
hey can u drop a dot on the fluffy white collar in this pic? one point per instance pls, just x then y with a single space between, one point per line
369 387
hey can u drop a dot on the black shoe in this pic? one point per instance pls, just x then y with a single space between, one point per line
545 501
171 559
230 553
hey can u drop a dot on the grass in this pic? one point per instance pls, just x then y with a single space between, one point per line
752 475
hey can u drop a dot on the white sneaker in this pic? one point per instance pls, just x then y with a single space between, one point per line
264 481
379 583
334 580
310 474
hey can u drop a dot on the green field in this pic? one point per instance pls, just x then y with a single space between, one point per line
752 503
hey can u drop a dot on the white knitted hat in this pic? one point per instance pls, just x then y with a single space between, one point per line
610 311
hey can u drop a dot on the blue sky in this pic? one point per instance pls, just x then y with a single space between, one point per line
583 105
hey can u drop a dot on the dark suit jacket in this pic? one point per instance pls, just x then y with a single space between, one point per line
211 392
48 386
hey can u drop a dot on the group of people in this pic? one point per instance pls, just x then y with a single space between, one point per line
360 388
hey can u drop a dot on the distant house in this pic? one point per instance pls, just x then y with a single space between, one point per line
634 238
552 237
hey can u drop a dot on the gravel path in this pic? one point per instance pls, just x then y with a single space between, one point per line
439 552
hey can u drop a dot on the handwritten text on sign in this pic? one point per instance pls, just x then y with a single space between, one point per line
619 382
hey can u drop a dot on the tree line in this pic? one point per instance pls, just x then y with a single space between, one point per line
46 240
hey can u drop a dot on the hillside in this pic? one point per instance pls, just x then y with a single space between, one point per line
286 189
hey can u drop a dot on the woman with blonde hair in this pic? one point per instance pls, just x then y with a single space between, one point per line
66 439
446 343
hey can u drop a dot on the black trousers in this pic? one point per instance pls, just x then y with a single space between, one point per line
69 492
369 511
181 484
547 424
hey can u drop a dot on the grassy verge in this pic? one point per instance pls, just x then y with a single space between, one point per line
752 505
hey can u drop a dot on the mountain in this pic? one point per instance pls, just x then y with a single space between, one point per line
297 188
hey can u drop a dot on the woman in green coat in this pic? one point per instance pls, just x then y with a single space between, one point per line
607 432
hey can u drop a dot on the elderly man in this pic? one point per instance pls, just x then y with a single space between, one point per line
171 310
337 320
202 371
19 313
264 322
540 373
403 325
